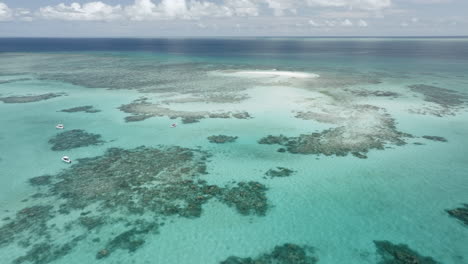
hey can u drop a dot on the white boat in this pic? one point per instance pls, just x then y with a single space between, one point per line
66 159
60 126
174 125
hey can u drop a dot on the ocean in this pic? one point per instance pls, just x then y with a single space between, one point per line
234 150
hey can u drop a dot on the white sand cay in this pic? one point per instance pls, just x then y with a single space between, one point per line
271 73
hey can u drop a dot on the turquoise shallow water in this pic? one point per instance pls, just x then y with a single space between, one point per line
336 204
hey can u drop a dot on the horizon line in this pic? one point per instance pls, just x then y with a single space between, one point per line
194 37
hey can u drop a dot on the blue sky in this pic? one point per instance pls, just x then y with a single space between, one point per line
159 18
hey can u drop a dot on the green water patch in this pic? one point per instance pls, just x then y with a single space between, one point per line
85 109
400 254
29 98
460 213
220 139
75 138
136 189
285 254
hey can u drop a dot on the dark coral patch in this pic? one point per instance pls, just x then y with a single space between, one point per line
129 240
74 139
34 219
460 213
247 198
400 254
86 109
29 98
40 180
435 138
284 254
279 172
221 139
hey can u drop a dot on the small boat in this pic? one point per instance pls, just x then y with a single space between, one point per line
66 159
60 126
174 125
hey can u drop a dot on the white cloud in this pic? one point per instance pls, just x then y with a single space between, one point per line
242 7
280 6
358 4
5 12
347 23
92 11
313 23
144 10
362 23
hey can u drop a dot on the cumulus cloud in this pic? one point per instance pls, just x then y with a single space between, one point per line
143 10
92 11
362 23
147 10
5 12
357 4
313 23
347 23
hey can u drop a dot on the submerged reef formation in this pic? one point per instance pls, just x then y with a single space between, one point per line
220 98
14 80
279 172
443 101
285 254
75 138
135 189
367 93
460 213
219 139
29 98
86 109
361 128
435 138
141 109
247 197
400 254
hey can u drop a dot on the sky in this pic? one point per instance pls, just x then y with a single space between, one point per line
204 18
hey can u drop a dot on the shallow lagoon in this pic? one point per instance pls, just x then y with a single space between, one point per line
334 206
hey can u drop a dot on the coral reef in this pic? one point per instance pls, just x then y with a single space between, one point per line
74 139
29 98
359 129
129 240
33 219
460 213
141 109
247 198
86 109
400 254
222 139
279 172
435 138
340 141
134 188
444 101
284 254
366 93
